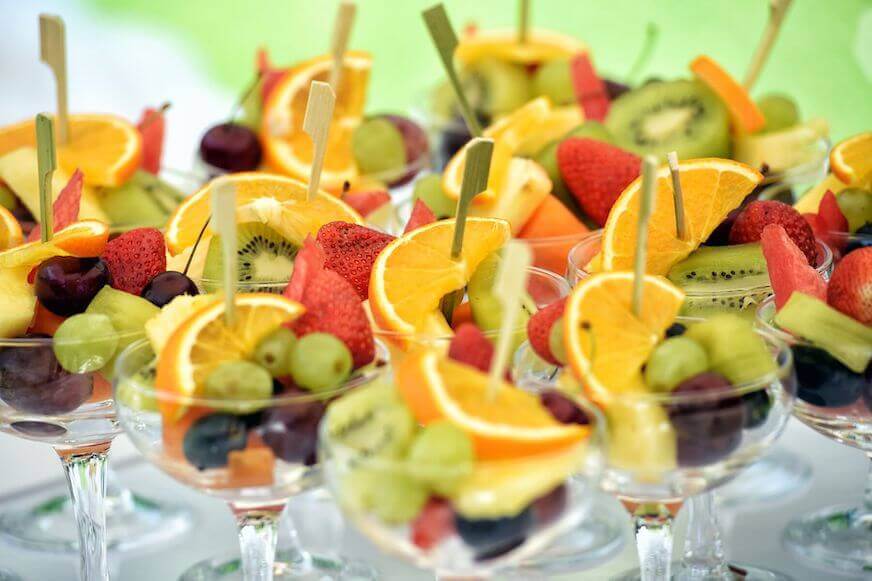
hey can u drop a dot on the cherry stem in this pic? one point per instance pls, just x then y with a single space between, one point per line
196 244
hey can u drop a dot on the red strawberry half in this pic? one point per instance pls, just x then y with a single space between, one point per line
65 209
134 258
151 127
539 330
470 346
365 203
332 304
596 173
761 213
850 289
421 216
350 250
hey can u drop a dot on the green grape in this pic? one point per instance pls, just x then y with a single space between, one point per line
273 353
779 111
394 497
441 456
320 362
673 361
238 383
555 341
429 189
856 205
554 80
379 149
85 342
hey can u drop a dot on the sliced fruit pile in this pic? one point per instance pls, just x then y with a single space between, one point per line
438 453
833 319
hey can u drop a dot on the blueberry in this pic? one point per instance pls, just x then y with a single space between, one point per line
862 239
562 408
757 405
823 380
32 380
210 440
492 537
65 285
675 330
707 429
166 286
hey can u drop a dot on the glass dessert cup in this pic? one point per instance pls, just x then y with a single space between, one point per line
666 448
262 457
809 166
75 415
846 242
840 408
482 547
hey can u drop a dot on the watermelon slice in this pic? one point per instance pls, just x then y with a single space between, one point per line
590 91
270 74
421 216
65 209
308 263
788 267
151 127
366 202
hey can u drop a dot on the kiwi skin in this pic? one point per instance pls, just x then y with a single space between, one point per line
263 256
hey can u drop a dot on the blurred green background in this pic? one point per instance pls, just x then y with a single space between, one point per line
823 57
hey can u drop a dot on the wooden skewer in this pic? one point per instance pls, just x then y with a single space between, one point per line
224 224
677 196
46 165
646 206
523 20
319 114
777 12
53 52
341 33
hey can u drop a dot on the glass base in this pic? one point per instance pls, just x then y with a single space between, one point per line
290 564
838 537
737 572
594 541
775 477
8 576
132 522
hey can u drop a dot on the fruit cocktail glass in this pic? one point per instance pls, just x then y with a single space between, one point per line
836 402
75 415
255 456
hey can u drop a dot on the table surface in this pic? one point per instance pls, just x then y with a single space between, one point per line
752 531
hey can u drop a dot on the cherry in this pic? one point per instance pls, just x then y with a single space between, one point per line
65 285
165 286
231 147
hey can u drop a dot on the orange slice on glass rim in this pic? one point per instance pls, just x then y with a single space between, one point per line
83 238
851 159
10 230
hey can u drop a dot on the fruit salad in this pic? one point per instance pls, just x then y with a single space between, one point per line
455 478
115 165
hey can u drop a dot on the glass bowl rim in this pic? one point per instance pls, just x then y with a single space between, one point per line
50 341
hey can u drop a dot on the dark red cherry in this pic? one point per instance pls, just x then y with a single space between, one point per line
165 286
231 147
65 285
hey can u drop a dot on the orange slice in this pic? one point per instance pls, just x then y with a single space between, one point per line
10 230
606 344
510 424
711 187
541 46
84 238
107 149
275 200
204 341
287 148
413 273
745 114
851 159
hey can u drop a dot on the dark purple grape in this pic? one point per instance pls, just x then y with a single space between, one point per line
823 380
550 507
65 285
39 429
615 89
165 286
675 330
454 136
32 380
562 408
416 143
231 147
209 441
707 429
292 430
492 537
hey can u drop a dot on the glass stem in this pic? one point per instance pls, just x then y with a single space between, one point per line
258 533
86 479
704 549
867 496
654 541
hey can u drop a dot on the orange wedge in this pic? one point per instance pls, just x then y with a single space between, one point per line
745 114
204 341
851 159
413 273
510 424
107 149
10 230
275 200
288 148
541 46
711 187
606 344
84 238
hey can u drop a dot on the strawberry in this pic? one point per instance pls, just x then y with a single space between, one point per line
590 91
850 289
596 173
758 214
421 216
350 250
539 330
434 523
151 127
65 209
134 258
470 346
332 304
366 202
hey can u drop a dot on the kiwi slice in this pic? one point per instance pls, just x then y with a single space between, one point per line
143 200
262 256
684 116
714 268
